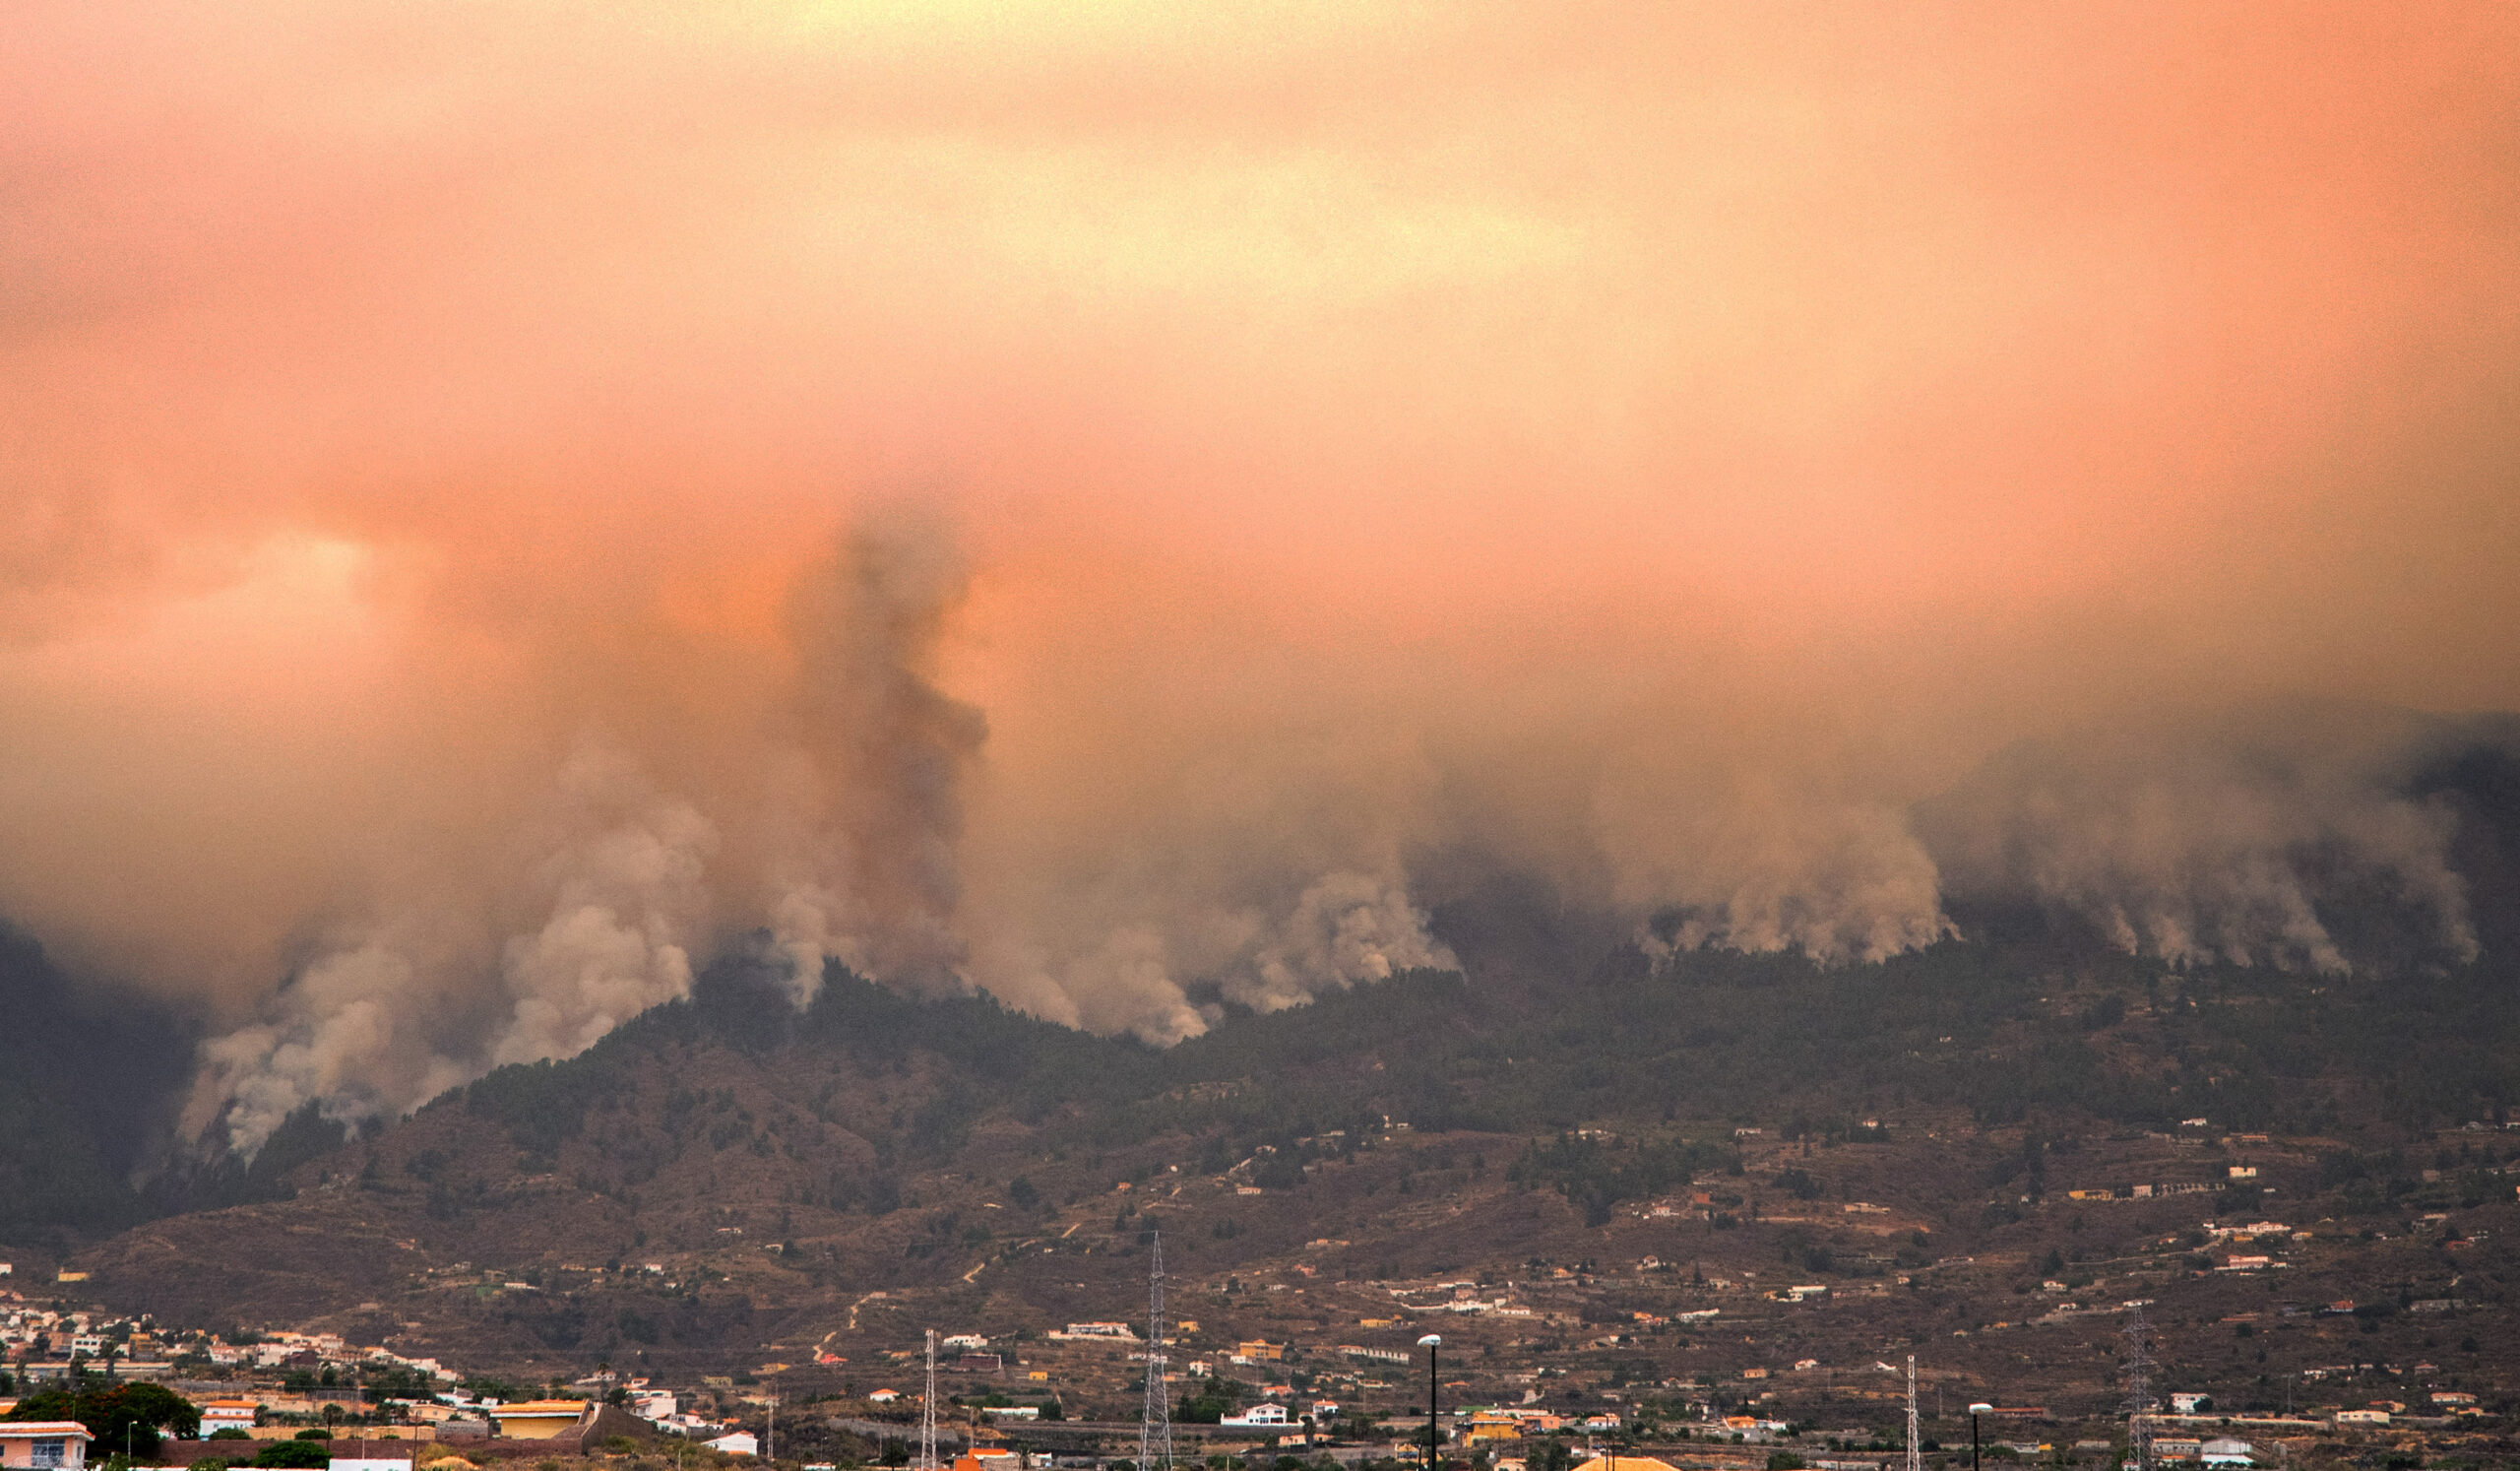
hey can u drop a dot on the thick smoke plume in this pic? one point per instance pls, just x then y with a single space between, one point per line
872 875
1788 480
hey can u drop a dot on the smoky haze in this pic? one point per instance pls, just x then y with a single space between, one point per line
497 502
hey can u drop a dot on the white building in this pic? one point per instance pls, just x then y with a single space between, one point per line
1257 1415
741 1442
226 1414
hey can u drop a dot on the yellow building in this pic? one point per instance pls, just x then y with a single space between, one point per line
540 1419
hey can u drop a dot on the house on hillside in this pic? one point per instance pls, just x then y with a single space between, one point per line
44 1444
538 1419
227 1414
1488 1426
2226 1452
740 1443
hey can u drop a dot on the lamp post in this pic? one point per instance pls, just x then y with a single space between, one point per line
1432 1343
1976 1410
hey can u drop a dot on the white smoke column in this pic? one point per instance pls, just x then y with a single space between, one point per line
393 1015
1125 982
346 1033
1765 860
870 870
627 903
1344 928
2220 844
1282 949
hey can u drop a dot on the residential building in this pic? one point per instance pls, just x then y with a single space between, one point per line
44 1444
538 1419
740 1443
227 1414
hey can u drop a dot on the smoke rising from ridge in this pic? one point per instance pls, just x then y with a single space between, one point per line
1795 479
873 877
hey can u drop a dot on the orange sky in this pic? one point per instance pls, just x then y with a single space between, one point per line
1655 442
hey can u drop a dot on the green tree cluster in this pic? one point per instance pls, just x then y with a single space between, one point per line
123 1417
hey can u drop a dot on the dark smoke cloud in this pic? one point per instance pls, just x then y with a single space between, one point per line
874 874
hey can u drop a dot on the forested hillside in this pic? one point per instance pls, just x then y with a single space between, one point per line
88 1079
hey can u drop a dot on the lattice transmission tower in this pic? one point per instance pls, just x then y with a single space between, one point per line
927 1411
2140 1404
1155 1426
1915 1447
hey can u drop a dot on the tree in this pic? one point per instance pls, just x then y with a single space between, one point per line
303 1455
120 1415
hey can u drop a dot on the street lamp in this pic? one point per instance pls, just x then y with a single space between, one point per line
1976 1410
1431 1343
